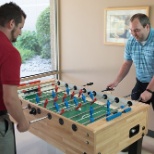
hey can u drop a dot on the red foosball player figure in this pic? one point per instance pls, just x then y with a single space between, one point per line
45 103
56 88
72 95
39 90
80 92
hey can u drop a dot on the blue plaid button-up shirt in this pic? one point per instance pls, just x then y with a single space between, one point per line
142 57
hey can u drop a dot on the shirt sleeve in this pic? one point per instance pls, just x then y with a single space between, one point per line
10 69
127 53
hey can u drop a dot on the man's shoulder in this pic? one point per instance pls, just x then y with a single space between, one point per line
151 36
131 40
152 31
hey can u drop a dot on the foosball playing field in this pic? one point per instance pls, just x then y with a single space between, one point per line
77 120
76 104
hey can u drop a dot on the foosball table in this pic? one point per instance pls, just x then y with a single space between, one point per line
79 121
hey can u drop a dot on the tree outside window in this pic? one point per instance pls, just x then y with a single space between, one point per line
34 44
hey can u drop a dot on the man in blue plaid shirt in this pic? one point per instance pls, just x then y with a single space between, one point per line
140 51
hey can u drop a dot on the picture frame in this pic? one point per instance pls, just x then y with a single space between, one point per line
116 28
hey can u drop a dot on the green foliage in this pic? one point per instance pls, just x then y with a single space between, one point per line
43 32
25 54
28 40
32 43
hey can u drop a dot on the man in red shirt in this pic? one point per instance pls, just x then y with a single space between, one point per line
12 19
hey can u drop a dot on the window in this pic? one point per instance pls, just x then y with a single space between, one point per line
38 43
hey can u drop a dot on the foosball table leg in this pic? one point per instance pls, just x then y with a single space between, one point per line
136 147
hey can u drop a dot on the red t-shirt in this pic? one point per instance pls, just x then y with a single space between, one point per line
10 62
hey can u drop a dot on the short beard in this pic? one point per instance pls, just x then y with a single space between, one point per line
12 36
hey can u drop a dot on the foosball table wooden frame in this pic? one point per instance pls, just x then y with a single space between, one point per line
99 137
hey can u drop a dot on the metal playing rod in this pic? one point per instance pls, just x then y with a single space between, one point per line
48 85
41 86
48 90
70 108
36 120
42 102
39 119
112 113
83 113
34 92
131 94
111 102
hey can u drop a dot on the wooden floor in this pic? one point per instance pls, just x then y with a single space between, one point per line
27 143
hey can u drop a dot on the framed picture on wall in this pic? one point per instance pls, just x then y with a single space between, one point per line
117 23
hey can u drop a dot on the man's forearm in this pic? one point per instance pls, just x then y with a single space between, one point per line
15 110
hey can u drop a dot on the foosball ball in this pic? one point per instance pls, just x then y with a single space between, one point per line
79 121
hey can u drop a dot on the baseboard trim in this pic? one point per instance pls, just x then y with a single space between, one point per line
150 133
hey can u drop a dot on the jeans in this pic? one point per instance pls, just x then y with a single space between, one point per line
138 89
7 138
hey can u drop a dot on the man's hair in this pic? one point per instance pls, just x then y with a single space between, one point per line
11 11
144 20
